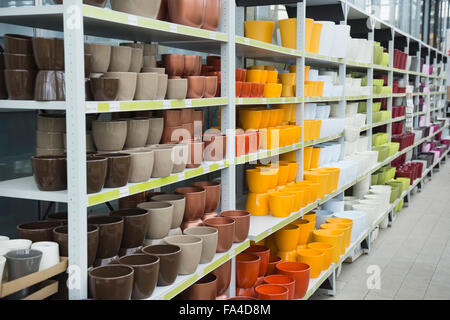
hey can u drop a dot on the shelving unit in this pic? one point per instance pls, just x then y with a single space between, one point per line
233 48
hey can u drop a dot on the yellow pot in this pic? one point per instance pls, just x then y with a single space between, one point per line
288 79
310 216
273 118
314 258
341 227
272 90
321 178
254 76
287 91
256 68
326 248
284 137
259 30
286 238
272 76
333 237
288 156
257 180
270 243
270 138
333 177
265 118
288 32
283 174
307 68
281 204
314 188
280 115
293 166
309 92
269 68
257 204
315 37
298 197
309 25
348 222
307 154
288 255
315 155
264 76
250 119
305 231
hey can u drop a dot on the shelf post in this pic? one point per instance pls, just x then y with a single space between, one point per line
300 88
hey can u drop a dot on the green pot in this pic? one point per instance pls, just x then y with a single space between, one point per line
376 106
394 147
389 172
383 152
376 116
375 179
406 183
379 139
362 107
385 116
385 59
399 206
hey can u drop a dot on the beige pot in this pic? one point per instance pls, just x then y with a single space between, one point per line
120 59
150 49
210 237
49 152
175 232
142 8
180 157
179 203
149 62
176 89
89 142
51 123
141 166
137 132
146 86
109 135
154 69
191 252
137 60
156 130
49 140
101 56
127 84
163 165
162 86
159 218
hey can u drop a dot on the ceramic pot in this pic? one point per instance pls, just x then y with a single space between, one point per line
212 194
164 162
51 123
137 7
37 231
50 86
196 87
177 88
101 56
271 266
58 216
97 168
60 235
141 166
203 289
212 15
146 269
137 60
20 84
264 253
135 226
146 86
50 172
210 87
172 118
242 223
159 218
109 135
188 12
48 53
50 253
180 157
209 236
50 140
96 3
104 89
225 226
162 87
247 270
15 244
17 43
190 65
137 132
120 59
21 263
223 274
272 292
169 263
174 64
118 169
191 252
155 131
195 202
299 272
215 147
18 62
110 235
196 152
127 84
113 282
179 203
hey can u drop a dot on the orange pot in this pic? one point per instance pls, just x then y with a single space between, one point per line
326 248
333 237
288 255
282 280
247 270
314 258
300 272
264 253
250 119
341 227
315 37
257 204
272 292
307 157
240 144
305 231
286 238
273 261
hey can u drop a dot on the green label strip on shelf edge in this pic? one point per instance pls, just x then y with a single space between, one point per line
214 167
181 287
216 263
103 197
100 13
242 247
261 236
137 105
193 173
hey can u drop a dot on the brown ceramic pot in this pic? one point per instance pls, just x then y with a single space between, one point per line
131 202
212 15
212 194
225 226
242 226
162 14
187 116
118 169
174 64
172 134
17 43
208 215
143 8
195 202
48 53
215 147
196 87
50 172
190 65
264 253
223 274
203 289
50 86
110 235
169 263
97 168
188 12
18 62
20 84
113 282
186 224
135 226
37 231
196 149
146 269
104 89
51 122
58 216
172 118
210 87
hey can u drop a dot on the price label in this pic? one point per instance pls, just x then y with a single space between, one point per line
188 102
91 108
114 106
123 192
247 41
213 35
264 101
173 27
132 19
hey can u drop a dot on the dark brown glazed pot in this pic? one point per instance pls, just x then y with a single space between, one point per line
131 202
118 169
188 12
169 262
97 168
146 269
20 84
58 216
196 149
190 65
50 172
87 90
210 86
114 282
48 53
223 274
212 194
195 202
19 61
37 231
97 3
203 289
50 86
225 227
174 64
60 235
104 89
212 15
17 43
191 223
172 118
242 226
135 226
196 87
3 91
110 235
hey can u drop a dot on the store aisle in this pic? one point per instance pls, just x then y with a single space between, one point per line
413 255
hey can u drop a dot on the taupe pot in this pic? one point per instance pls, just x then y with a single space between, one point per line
141 165
137 132
156 131
159 218
163 165
177 89
209 236
147 86
109 135
191 252
178 201
162 86
101 56
142 8
127 84
120 59
137 60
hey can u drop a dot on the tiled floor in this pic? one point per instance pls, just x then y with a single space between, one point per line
413 255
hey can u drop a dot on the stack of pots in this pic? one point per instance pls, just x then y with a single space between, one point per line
212 69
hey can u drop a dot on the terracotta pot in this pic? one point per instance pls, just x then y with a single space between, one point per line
212 194
164 161
272 292
198 66
179 204
271 267
137 59
114 282
109 135
61 236
174 64
110 235
137 132
195 202
162 14
159 218
192 223
210 86
20 84
242 298
97 168
50 86
195 154
146 269
177 89
225 226
223 274
172 118
37 231
242 223
135 226
282 280
246 292
155 131
209 236
247 270
299 272
208 215
137 7
104 89
48 53
169 263
190 65
203 289
15 61
101 56
196 87
187 116
118 169
264 253
212 15
127 84
191 252
188 12
17 43
188 131
50 172
215 147
162 87
146 86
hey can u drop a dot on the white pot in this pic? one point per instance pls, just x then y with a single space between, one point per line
351 109
362 188
323 112
322 216
334 205
385 223
371 212
351 134
326 38
363 144
310 111
349 202
359 222
383 198
50 253
15 244
341 41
